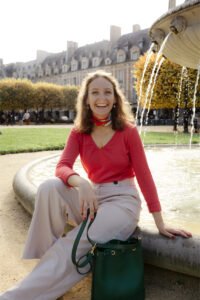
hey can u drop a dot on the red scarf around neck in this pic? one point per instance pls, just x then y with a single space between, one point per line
101 122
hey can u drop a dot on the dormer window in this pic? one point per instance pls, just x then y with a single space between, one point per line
47 70
40 73
135 53
55 70
108 61
121 56
65 68
74 65
84 63
95 61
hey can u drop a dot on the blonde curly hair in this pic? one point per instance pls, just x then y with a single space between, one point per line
120 113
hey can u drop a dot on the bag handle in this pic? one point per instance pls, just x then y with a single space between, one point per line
87 258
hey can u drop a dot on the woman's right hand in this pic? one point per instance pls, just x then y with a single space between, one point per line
87 199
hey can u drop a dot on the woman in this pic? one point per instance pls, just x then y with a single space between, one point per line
112 154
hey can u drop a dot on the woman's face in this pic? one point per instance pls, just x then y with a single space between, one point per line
101 97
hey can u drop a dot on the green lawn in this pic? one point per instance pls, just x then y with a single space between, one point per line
169 138
14 140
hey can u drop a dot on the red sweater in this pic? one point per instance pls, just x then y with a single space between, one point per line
121 158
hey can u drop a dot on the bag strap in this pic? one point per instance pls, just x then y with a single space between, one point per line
87 258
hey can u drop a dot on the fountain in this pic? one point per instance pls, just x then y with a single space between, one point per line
183 45
176 36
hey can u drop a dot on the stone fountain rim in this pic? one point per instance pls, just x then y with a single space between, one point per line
182 7
158 251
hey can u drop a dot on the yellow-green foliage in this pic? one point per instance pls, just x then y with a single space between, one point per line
15 93
70 94
47 95
167 85
23 94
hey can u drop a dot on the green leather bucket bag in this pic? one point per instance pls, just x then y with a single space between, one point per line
117 268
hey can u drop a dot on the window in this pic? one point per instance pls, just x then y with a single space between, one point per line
74 65
120 77
121 56
74 81
47 70
108 61
84 63
56 70
65 68
135 52
95 61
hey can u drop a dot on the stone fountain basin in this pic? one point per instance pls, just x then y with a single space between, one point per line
179 255
182 48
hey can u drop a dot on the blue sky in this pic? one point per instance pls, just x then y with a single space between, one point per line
28 25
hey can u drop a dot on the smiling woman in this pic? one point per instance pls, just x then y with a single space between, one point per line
101 97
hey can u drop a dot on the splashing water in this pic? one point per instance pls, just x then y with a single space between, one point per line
183 71
194 105
149 54
151 78
152 89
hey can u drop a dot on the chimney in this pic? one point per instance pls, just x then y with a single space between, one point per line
136 27
172 4
71 48
115 33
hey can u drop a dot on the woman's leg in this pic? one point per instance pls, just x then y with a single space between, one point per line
53 200
116 218
55 273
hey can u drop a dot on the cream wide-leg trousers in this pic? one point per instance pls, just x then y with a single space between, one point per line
117 218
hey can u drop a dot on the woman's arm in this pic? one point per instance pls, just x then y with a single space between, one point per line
148 188
168 231
142 171
64 167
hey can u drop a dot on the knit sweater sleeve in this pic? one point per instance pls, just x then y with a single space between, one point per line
64 167
142 171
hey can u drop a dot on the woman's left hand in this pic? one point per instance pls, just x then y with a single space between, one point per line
168 231
173 232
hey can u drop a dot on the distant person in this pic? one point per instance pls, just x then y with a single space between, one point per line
20 118
112 154
26 118
8 119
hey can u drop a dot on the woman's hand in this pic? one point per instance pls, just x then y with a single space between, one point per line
87 199
172 232
168 231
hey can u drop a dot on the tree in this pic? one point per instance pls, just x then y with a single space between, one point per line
47 95
167 85
70 94
173 88
15 94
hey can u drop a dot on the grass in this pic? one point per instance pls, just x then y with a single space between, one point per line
169 138
16 140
